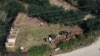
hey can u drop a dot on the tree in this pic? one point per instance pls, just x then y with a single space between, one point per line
90 25
34 10
92 6
37 2
12 9
89 5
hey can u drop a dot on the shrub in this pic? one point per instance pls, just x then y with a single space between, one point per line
72 43
68 44
53 14
39 50
79 37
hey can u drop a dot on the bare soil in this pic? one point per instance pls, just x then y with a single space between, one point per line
62 3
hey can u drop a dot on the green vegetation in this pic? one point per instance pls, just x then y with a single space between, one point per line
89 5
91 29
72 43
8 11
90 25
18 52
39 50
77 42
61 17
13 8
92 6
52 14
3 29
43 3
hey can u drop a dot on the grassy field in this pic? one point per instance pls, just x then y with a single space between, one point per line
31 33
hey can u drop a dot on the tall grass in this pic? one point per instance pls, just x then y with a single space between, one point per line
39 50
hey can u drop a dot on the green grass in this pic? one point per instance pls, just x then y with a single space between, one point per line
66 45
39 50
33 35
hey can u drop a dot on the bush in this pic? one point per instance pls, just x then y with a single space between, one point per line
73 43
90 25
79 37
39 50
37 2
63 45
89 5
3 34
53 14
11 7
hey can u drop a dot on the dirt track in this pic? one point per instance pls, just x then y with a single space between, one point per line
63 4
92 50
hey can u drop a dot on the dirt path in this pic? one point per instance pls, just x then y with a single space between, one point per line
62 3
92 50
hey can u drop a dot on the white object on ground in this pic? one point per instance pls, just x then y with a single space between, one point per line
41 24
57 49
21 48
50 39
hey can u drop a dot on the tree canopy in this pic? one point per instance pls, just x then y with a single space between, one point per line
92 6
52 14
90 25
89 5
13 7
7 15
